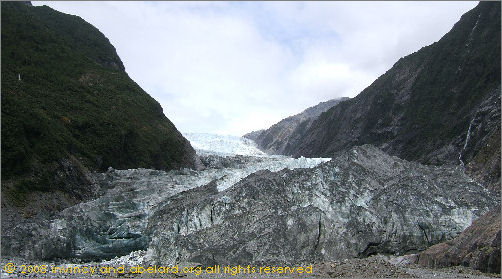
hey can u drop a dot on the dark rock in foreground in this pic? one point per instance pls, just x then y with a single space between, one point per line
361 203
477 247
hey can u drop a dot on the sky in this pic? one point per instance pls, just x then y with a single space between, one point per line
234 67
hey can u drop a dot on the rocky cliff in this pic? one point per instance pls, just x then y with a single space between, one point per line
478 246
68 107
439 105
282 136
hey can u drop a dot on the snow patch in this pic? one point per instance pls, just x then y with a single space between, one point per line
463 216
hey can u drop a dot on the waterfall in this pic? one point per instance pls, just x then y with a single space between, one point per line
468 136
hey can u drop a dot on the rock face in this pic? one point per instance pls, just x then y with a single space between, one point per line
288 132
69 107
439 105
360 203
253 135
484 137
477 247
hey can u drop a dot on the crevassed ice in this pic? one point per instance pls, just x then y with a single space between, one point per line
274 164
225 145
152 188
143 191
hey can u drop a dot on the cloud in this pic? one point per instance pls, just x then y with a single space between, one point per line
234 67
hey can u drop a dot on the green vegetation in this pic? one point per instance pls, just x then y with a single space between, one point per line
459 72
74 103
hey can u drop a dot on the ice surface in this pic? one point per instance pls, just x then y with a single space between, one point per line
134 195
222 144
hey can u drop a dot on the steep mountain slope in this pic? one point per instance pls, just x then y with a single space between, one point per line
68 106
439 105
279 137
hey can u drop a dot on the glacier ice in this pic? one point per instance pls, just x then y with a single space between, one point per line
115 224
224 145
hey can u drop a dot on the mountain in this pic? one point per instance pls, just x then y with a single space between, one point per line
439 105
287 133
69 107
253 135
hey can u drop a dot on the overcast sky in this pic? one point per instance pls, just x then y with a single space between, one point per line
235 67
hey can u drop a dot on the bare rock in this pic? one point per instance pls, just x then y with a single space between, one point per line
477 247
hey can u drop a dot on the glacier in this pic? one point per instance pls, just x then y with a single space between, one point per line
114 224
224 145
207 145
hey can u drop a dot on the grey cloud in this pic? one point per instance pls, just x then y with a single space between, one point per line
233 67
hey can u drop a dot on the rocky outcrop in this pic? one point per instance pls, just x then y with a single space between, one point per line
482 144
477 247
360 203
253 135
69 107
280 137
439 105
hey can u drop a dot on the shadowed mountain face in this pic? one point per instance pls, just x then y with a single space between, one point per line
68 106
439 105
287 133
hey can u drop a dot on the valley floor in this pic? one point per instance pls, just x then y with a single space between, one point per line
378 266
